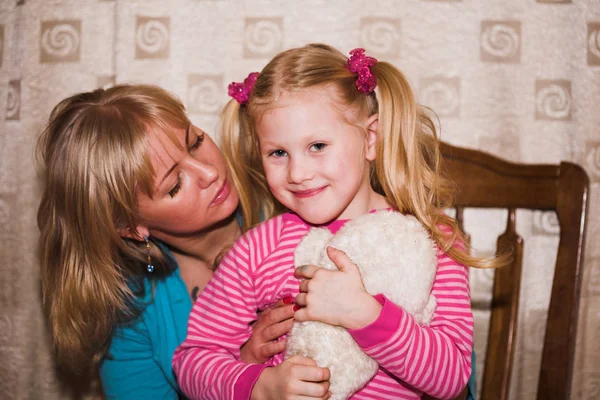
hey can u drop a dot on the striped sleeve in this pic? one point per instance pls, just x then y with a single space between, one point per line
435 359
207 364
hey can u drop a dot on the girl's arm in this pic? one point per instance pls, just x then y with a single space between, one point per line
436 358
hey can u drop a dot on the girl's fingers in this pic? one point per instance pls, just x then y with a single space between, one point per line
300 301
308 373
311 398
301 360
305 271
340 259
304 285
312 390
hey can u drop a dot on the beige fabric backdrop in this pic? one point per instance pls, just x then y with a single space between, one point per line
518 78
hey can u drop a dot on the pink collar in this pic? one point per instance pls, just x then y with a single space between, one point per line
333 226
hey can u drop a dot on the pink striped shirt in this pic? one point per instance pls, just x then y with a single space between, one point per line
258 271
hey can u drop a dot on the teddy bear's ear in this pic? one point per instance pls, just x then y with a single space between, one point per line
309 250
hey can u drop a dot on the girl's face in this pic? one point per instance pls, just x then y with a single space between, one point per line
192 187
316 162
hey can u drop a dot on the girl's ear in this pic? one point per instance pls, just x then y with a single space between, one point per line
372 135
140 232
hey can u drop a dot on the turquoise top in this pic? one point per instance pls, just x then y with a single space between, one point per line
140 354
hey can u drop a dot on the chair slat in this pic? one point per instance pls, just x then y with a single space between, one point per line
503 320
559 343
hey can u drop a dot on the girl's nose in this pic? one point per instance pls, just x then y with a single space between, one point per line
298 170
204 172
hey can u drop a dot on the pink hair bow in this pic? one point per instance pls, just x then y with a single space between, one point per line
359 63
241 91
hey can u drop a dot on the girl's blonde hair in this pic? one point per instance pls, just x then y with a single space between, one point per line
94 160
408 161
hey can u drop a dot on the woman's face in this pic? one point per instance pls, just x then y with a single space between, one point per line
192 186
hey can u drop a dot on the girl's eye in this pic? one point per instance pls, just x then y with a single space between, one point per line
175 188
198 142
318 146
277 153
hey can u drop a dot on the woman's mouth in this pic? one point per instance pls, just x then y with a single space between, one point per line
222 194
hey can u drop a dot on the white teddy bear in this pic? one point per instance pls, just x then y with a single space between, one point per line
396 257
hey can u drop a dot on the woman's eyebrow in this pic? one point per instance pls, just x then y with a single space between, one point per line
167 173
187 135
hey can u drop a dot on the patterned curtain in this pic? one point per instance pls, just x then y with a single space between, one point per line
516 78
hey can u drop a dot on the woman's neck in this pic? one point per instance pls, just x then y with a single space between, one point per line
208 245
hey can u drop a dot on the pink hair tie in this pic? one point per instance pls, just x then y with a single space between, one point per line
241 91
359 63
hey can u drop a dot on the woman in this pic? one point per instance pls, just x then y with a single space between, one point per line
137 209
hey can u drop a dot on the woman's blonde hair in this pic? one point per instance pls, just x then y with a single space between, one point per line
407 166
94 160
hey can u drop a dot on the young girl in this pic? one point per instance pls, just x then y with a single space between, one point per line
315 133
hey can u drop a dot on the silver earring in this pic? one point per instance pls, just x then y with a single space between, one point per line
150 267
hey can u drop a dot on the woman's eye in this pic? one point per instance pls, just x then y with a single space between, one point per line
198 142
175 188
277 153
318 146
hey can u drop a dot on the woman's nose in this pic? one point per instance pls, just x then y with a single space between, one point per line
204 172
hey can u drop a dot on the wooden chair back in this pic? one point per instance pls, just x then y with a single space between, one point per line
485 181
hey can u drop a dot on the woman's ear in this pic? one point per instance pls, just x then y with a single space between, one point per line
141 231
372 135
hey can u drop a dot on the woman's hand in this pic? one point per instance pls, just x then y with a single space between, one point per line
272 323
335 297
296 378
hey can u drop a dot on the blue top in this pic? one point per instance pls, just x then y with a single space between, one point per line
140 354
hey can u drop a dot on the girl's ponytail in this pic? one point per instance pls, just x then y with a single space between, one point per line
408 165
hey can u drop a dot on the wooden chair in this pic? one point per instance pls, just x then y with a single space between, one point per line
484 181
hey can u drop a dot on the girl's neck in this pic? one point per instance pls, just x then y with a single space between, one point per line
376 202
209 244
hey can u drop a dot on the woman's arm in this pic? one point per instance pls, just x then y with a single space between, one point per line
130 371
207 364
266 340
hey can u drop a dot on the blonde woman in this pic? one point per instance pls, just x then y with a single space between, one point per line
137 209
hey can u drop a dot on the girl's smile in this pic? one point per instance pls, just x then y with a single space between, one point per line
308 192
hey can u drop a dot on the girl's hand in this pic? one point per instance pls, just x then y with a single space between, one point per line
272 323
296 378
335 297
